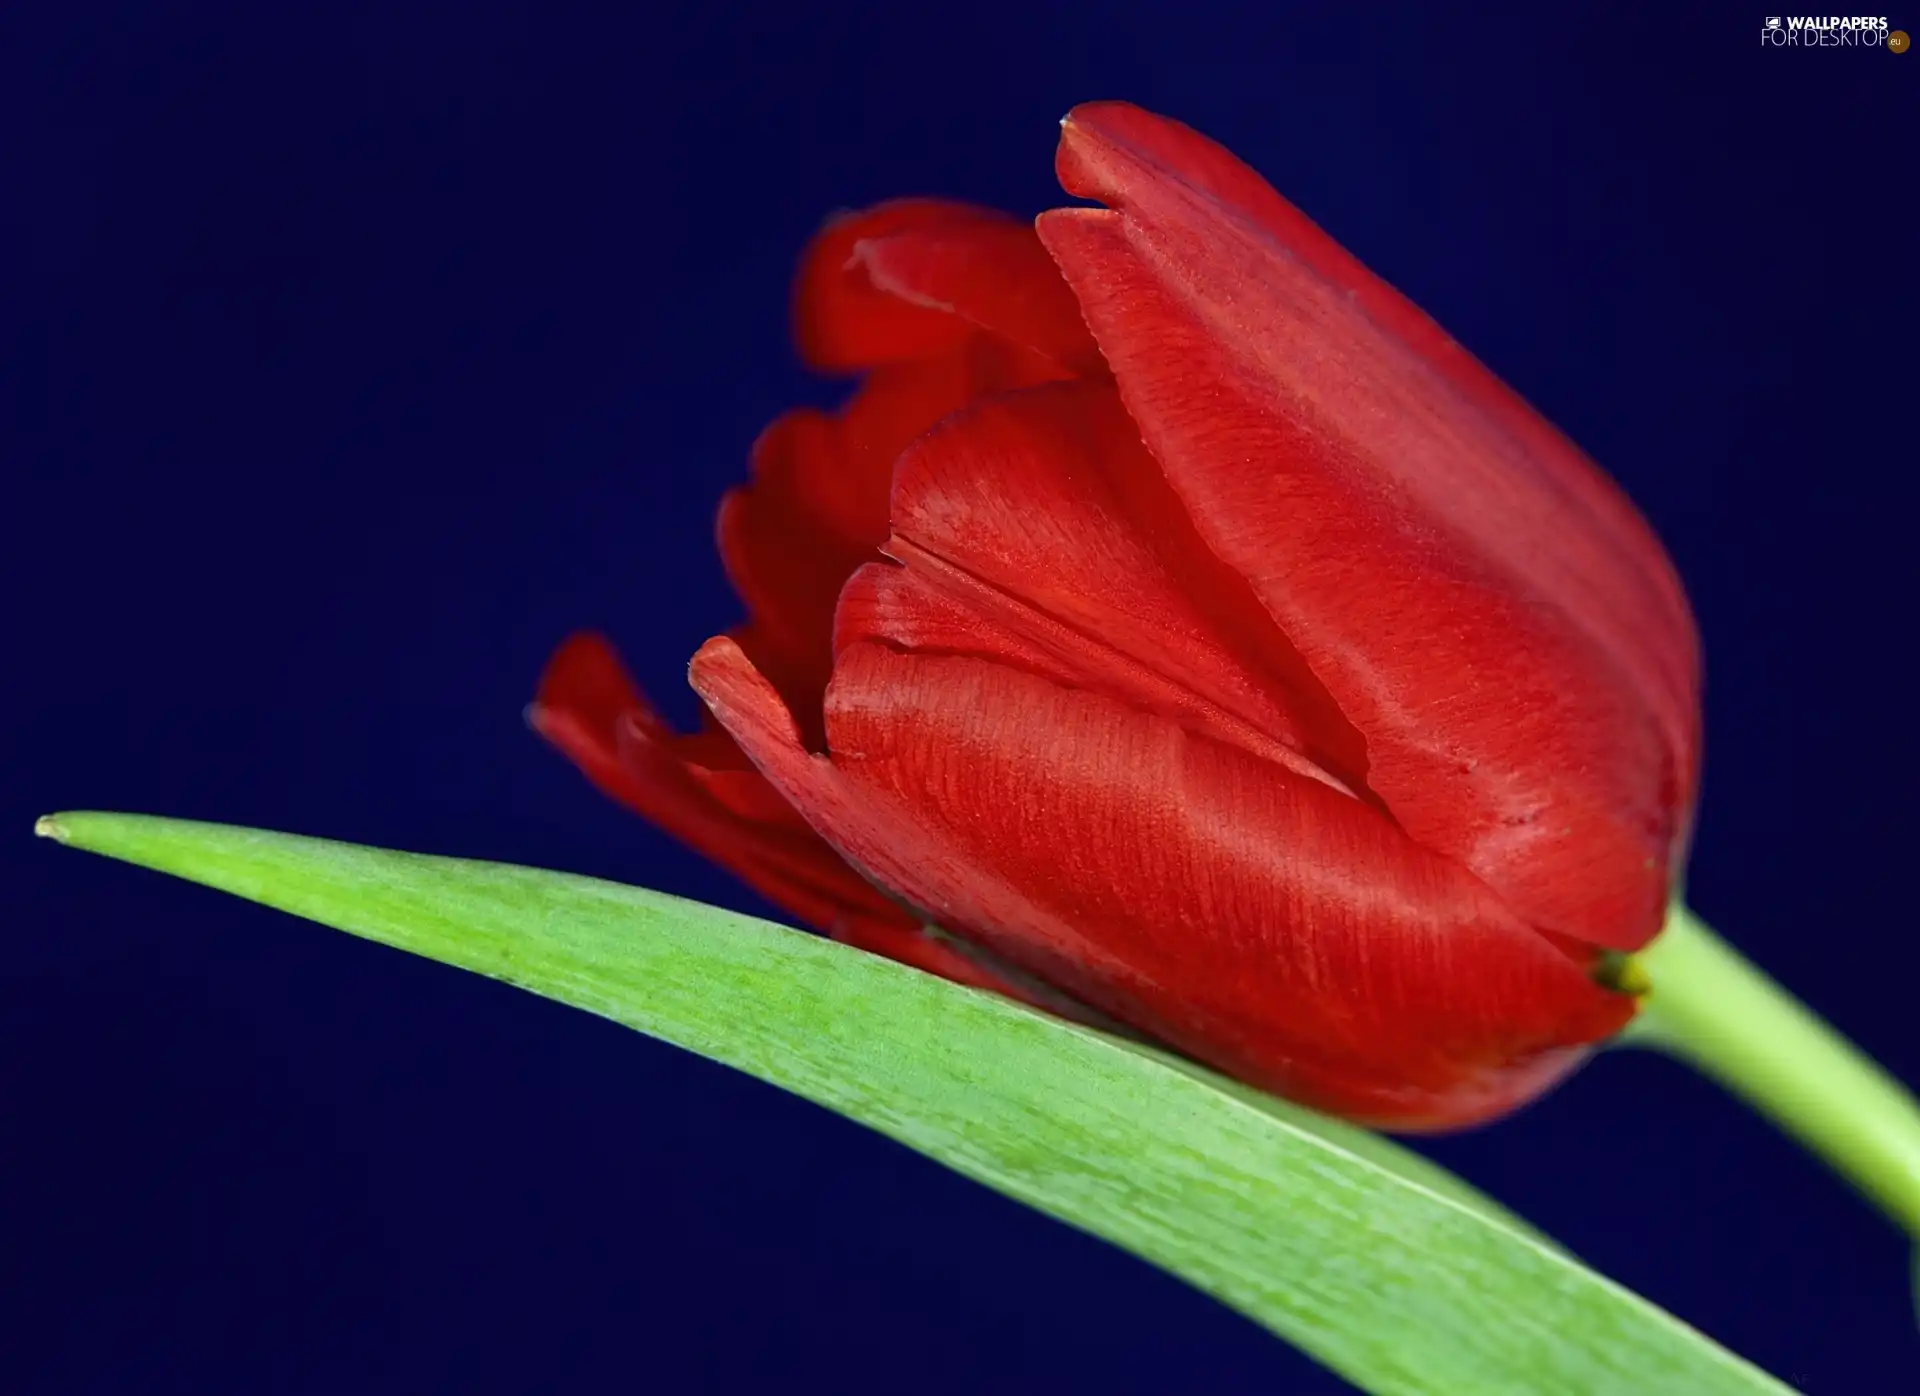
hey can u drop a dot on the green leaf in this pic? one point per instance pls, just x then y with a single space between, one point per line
1377 1262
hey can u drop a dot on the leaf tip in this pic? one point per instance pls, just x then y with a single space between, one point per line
48 826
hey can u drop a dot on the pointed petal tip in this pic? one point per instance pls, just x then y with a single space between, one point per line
583 686
583 656
740 695
1085 113
713 661
1113 122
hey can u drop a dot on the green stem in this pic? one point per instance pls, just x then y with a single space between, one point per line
1711 1007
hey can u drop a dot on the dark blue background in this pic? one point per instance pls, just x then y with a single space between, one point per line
354 353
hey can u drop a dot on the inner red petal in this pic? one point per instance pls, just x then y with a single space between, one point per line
1035 527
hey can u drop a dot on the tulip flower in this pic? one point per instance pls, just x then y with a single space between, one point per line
1178 632
1178 629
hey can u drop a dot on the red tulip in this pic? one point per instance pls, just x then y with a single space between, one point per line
1194 633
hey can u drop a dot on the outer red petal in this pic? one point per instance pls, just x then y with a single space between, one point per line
1259 920
912 279
703 791
1480 601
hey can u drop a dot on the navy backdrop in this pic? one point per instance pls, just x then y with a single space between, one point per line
355 353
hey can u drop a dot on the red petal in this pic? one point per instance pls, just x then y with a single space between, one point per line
1480 601
786 563
700 789
1260 921
912 279
945 304
817 505
1039 517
